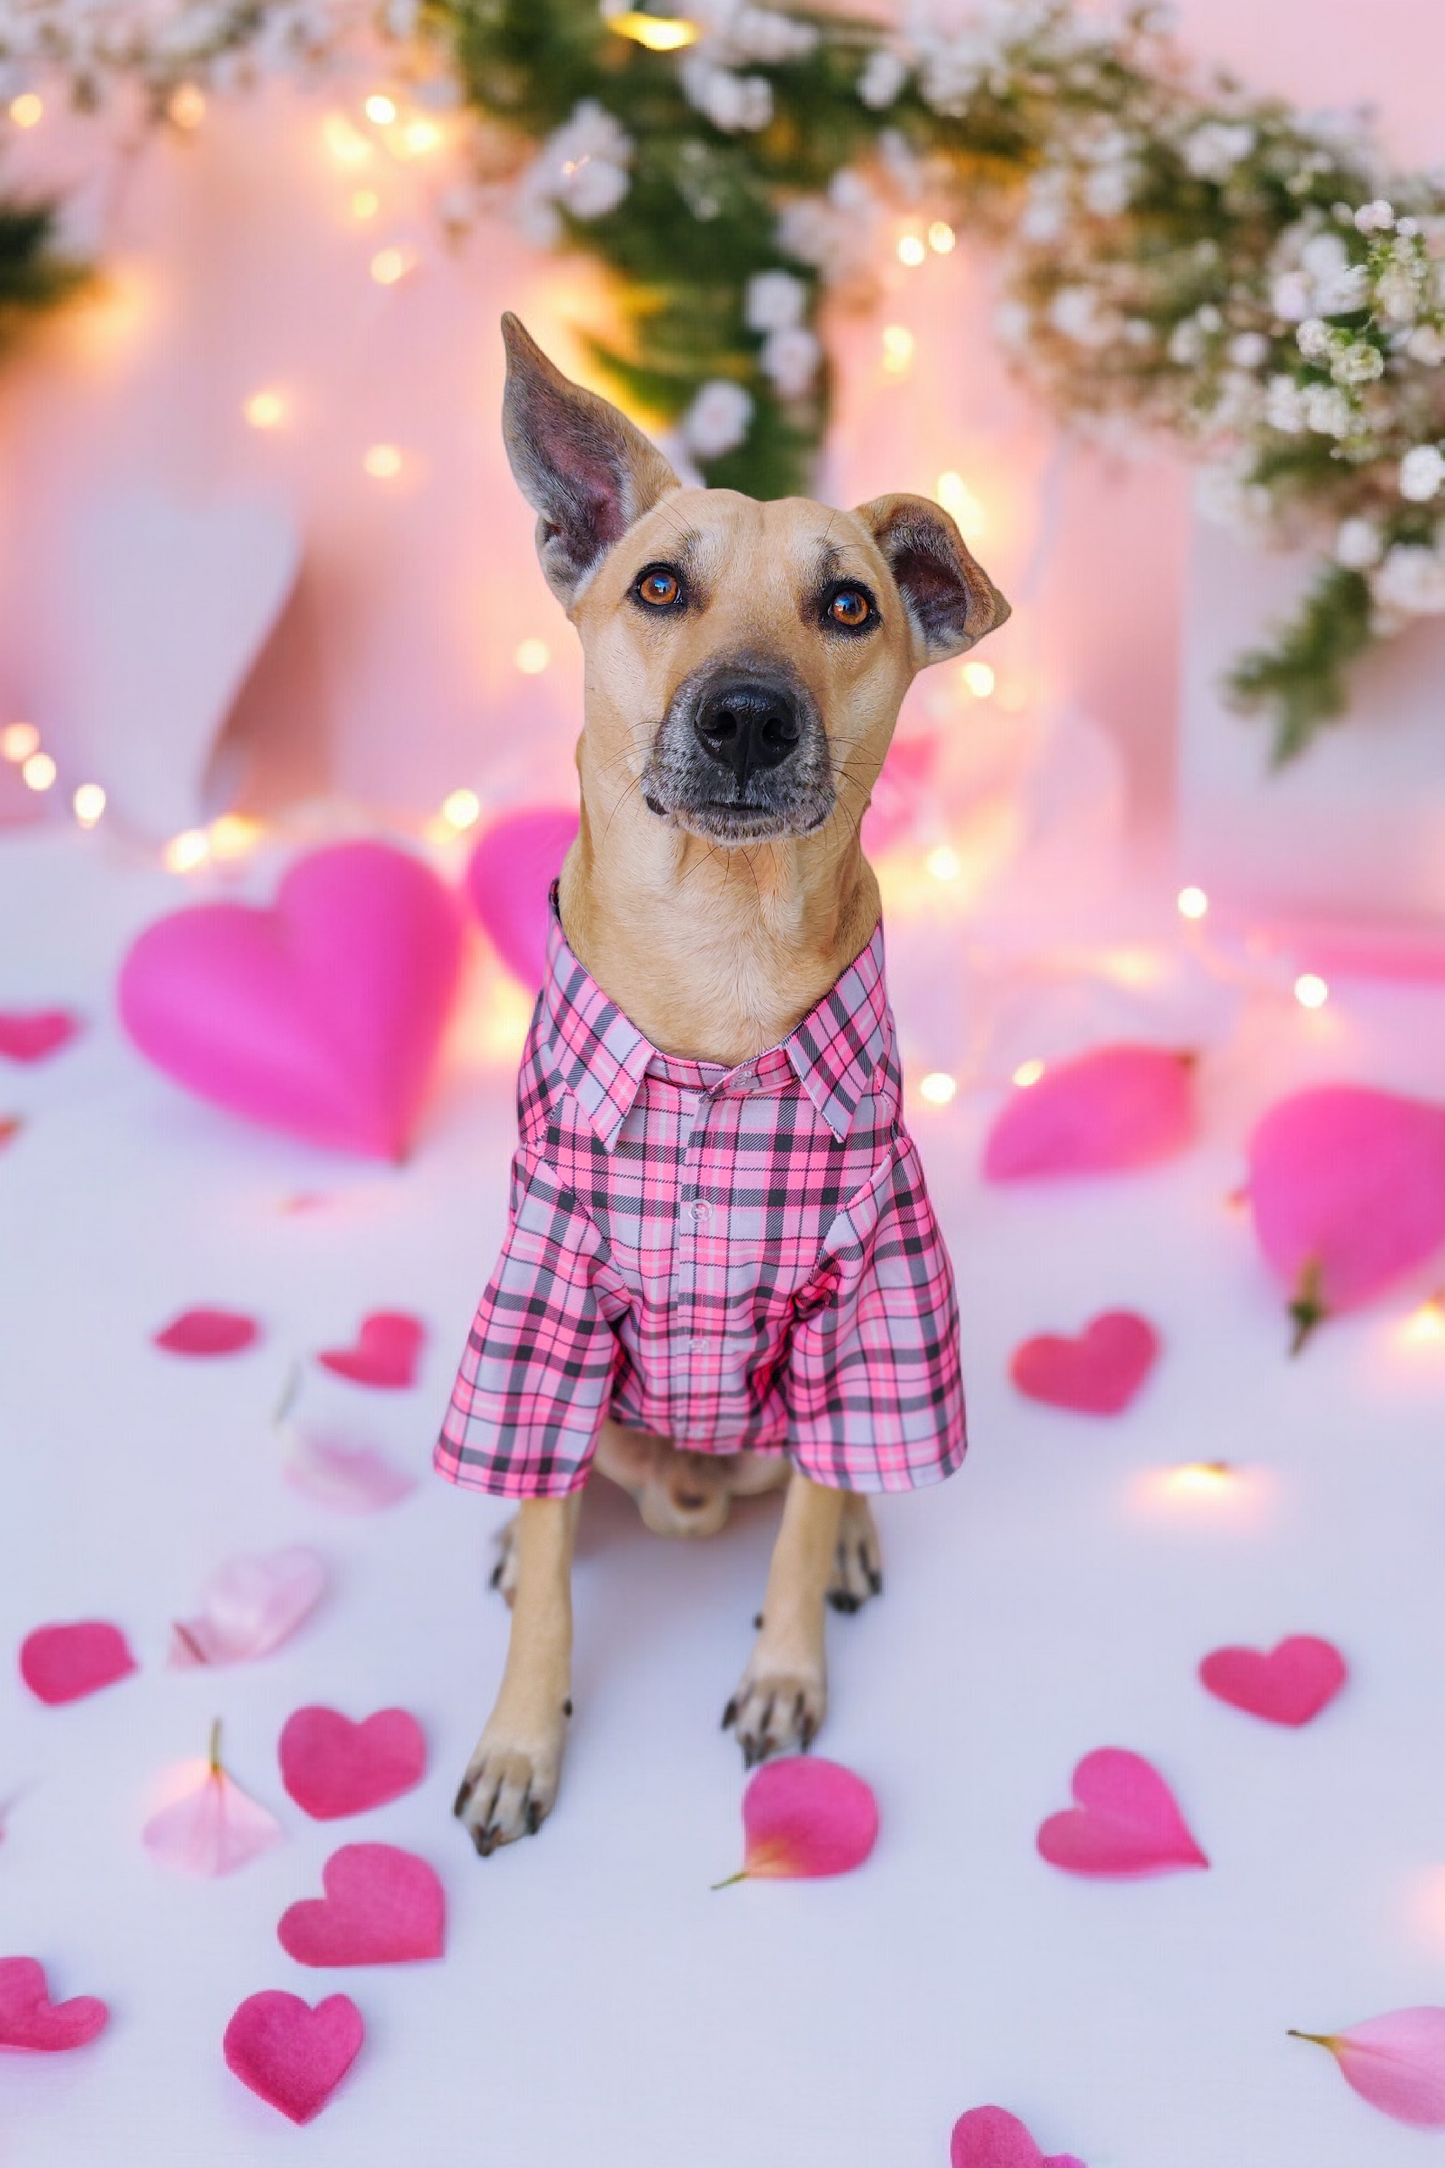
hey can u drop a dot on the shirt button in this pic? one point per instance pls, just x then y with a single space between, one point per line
699 1209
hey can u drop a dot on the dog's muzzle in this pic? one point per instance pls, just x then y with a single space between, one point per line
741 755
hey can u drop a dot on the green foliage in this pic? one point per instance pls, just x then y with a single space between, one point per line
33 277
1301 677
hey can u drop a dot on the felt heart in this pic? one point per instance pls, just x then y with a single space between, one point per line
292 2055
332 1767
382 1906
29 1035
385 1351
1285 1685
29 2020
1116 1106
322 1016
1098 1373
1126 1821
65 1663
207 1332
992 2138
509 880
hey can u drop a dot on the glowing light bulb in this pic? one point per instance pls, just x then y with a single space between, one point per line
364 205
88 804
1310 990
944 863
347 145
461 809
232 835
959 501
938 1087
27 109
18 741
659 33
380 109
941 237
417 139
390 264
187 106
1192 902
1200 1479
192 847
265 410
532 657
38 772
898 345
1425 1327
1028 1072
979 678
912 251
382 462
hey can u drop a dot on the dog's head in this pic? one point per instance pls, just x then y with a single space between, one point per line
745 661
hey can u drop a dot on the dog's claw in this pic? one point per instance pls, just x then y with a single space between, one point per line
730 1713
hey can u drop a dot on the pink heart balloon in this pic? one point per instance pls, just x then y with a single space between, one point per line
1347 1190
28 2019
1116 1106
992 2138
65 1663
322 1016
1098 1373
332 1767
386 1350
509 879
32 1034
1285 1685
294 2057
382 1906
1126 1821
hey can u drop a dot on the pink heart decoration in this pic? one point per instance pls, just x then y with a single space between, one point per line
1097 1373
65 1663
382 1906
992 2138
29 1035
332 1767
509 879
28 2019
1285 1685
1347 1190
1117 1106
385 1351
1126 1821
208 1332
322 1016
292 2055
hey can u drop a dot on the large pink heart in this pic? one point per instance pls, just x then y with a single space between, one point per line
332 1767
1098 1373
992 2138
28 2019
322 1016
1126 1821
292 2055
382 1906
1285 1685
65 1663
509 878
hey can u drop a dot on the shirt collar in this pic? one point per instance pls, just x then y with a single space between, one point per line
602 1057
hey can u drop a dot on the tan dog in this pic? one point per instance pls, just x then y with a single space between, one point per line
745 663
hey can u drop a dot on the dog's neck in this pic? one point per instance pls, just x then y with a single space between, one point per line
714 954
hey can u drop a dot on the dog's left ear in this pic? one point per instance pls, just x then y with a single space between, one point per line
583 468
950 599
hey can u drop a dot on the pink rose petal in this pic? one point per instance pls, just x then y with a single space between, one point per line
1097 1373
1117 1106
1289 1684
33 1034
65 1663
385 1352
332 1767
28 2019
992 2138
294 2057
343 1474
1126 1821
207 1332
249 1607
1396 2062
382 1906
213 1828
804 1816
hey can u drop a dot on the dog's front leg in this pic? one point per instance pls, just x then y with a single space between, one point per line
781 1699
511 1779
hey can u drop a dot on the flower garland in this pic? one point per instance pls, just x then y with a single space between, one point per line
1176 253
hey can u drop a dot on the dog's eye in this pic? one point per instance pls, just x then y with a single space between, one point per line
850 607
659 588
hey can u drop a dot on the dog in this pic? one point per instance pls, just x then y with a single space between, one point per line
721 1271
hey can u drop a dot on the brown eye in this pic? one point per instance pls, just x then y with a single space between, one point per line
660 589
849 607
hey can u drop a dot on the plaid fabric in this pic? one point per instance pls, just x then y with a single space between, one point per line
728 1258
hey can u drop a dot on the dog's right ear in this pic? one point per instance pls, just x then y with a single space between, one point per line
583 468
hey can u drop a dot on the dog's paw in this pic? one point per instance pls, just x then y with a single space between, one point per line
776 1712
505 1571
509 1789
858 1561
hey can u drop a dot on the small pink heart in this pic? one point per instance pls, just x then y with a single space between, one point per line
65 1663
1285 1685
382 1906
31 1034
292 2055
28 2019
385 1352
1126 1822
992 2138
332 1767
1098 1373
208 1332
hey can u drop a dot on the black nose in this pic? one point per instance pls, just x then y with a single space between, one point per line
747 725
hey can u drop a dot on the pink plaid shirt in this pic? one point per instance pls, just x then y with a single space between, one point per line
728 1258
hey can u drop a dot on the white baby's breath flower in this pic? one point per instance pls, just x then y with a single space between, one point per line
1324 255
1360 363
1357 544
736 104
1108 190
790 359
1422 470
1376 217
1186 343
717 421
1327 410
1074 311
1290 296
1397 293
1412 579
1216 147
1426 343
1313 338
883 77
774 301
1284 406
1248 349
764 34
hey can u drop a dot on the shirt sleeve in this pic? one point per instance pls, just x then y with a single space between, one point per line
536 1377
875 1382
